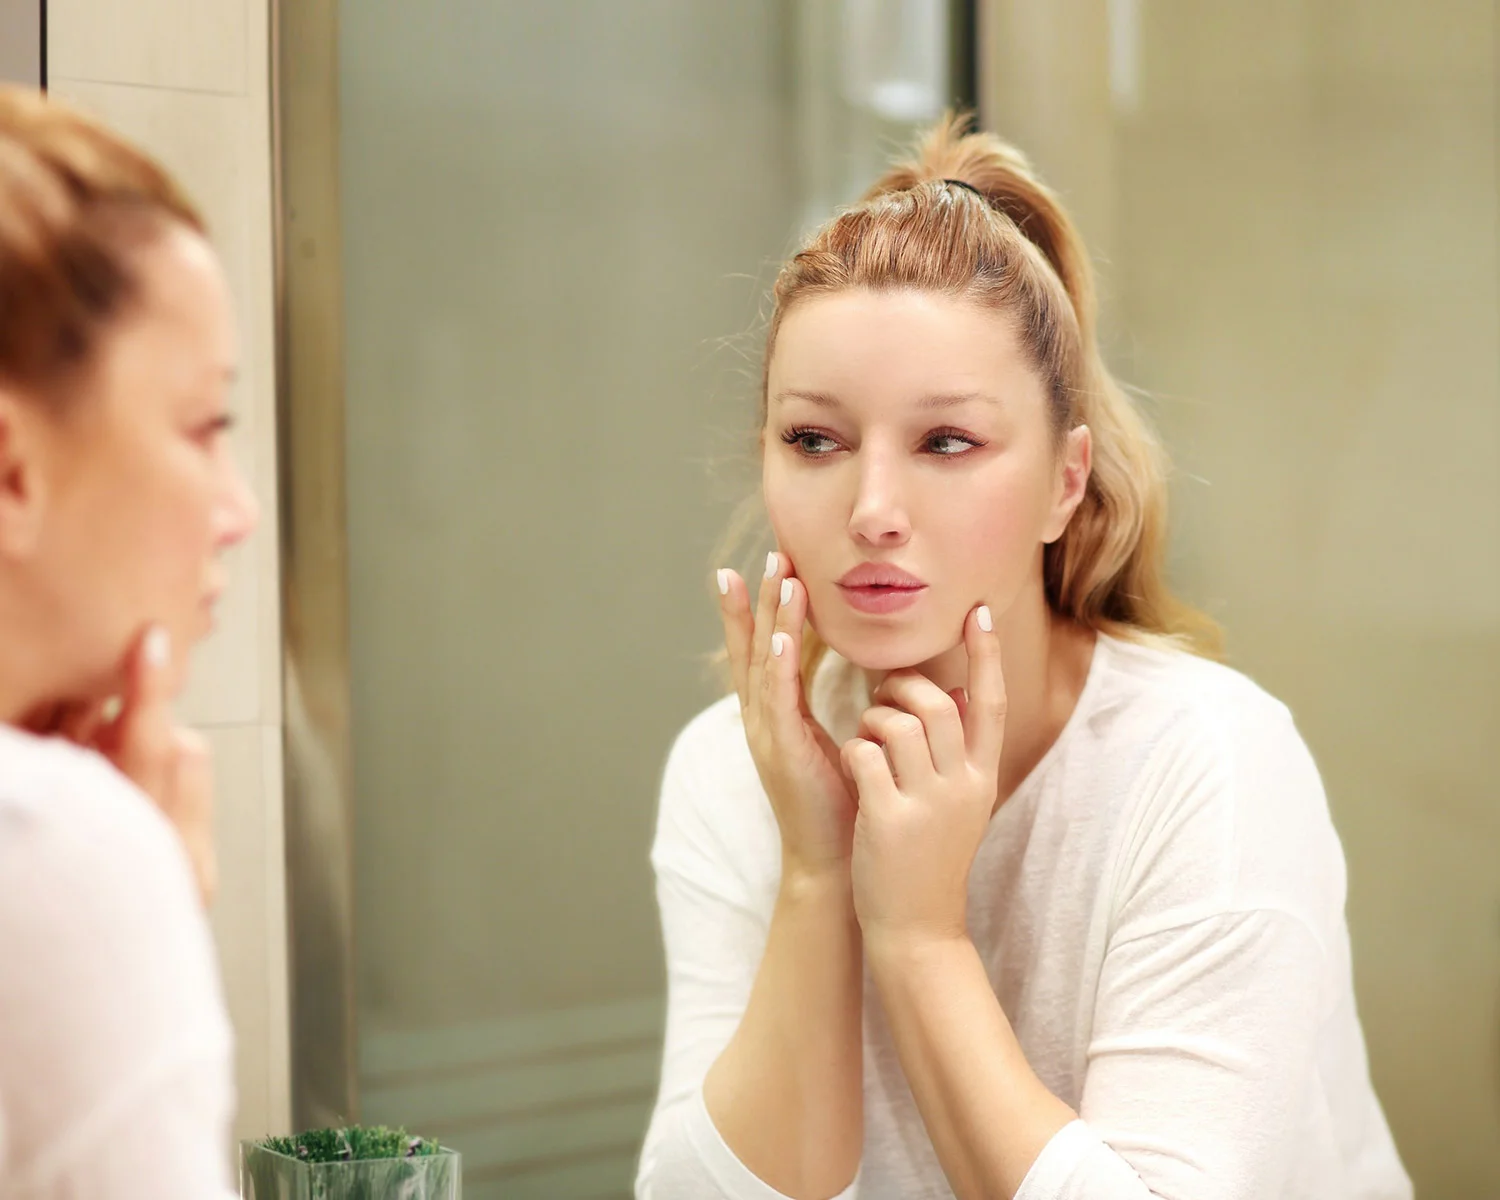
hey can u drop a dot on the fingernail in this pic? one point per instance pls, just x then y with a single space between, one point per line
986 622
723 577
771 565
158 647
778 643
786 591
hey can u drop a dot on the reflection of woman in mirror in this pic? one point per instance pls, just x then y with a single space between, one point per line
117 496
986 883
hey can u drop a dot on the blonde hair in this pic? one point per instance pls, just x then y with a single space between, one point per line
967 217
76 202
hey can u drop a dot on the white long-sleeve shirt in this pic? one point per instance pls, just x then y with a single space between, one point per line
115 1048
1160 907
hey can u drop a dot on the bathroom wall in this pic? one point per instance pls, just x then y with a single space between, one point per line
1294 207
21 41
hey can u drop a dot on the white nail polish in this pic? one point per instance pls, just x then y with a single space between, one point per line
778 643
771 565
158 646
723 577
986 622
786 591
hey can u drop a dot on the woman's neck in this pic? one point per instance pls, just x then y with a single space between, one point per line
33 661
1046 662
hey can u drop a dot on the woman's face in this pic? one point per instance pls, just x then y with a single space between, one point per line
910 468
135 495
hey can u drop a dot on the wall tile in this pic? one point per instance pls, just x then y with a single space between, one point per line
191 44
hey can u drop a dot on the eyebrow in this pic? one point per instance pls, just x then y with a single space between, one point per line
935 400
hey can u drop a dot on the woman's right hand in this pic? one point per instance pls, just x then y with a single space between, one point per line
171 763
798 763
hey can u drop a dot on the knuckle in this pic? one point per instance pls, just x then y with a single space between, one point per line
937 707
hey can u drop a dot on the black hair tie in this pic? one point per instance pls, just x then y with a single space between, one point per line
968 187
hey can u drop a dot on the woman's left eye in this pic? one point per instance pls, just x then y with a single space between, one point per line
948 443
212 430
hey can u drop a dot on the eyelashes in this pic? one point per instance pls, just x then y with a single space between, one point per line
800 436
211 431
811 442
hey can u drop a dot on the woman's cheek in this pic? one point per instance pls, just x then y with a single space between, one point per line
792 513
992 537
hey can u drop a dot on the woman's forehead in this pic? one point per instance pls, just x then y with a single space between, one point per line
929 351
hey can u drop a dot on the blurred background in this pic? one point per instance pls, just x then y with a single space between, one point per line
501 269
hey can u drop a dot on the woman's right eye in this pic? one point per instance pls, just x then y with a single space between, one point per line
814 443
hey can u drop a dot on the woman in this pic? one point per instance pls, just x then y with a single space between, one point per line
117 496
1019 896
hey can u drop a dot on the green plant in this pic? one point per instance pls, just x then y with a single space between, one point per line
349 1163
352 1143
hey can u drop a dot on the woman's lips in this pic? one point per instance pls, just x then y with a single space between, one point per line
876 587
875 598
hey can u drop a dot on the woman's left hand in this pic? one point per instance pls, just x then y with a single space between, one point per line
926 765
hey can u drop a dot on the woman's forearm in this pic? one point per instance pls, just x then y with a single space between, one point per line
786 1095
987 1113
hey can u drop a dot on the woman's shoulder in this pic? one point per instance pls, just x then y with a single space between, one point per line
711 731
73 827
709 767
120 1002
714 822
1149 687
1224 795
50 787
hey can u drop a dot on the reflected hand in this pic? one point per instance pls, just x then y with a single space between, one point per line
797 761
926 765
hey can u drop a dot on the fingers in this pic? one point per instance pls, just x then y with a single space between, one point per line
765 648
905 742
781 681
937 711
734 609
768 599
984 718
866 764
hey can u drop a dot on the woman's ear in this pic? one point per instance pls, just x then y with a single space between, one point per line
20 477
1074 464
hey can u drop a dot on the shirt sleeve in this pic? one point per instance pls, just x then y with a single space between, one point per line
1221 969
1203 1053
714 915
115 1053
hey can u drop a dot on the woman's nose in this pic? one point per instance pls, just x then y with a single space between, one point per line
879 517
238 512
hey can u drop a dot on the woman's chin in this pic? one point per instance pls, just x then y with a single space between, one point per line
884 652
